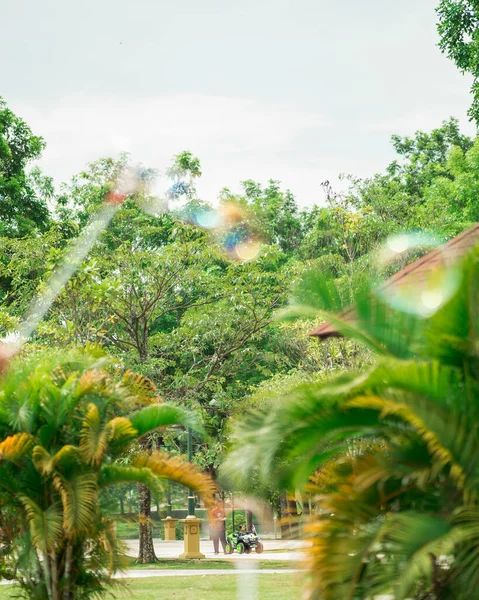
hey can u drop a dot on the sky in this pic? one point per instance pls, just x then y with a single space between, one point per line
294 90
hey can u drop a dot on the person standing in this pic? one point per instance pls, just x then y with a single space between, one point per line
218 527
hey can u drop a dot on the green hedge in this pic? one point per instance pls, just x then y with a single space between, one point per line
128 530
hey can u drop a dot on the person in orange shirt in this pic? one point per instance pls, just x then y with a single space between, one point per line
218 527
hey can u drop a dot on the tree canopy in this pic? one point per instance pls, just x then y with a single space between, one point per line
22 208
458 28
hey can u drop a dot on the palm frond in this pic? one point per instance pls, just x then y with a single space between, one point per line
15 447
114 474
141 388
79 499
94 437
46 526
176 469
66 459
120 433
417 541
161 415
116 549
42 460
372 321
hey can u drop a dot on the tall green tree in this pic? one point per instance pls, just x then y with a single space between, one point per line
458 27
272 213
450 202
22 210
422 159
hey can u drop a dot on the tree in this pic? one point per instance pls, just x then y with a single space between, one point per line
85 194
21 209
273 214
184 170
389 454
422 159
66 425
148 277
123 301
450 201
221 349
458 27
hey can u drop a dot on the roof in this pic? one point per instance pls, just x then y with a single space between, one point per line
452 250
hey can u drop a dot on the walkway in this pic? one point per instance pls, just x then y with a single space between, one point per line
273 550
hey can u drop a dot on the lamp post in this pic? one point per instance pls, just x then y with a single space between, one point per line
169 522
191 494
191 523
168 500
168 489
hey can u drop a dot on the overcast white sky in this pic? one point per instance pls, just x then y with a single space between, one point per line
295 90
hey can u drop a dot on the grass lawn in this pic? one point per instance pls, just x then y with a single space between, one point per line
207 587
210 563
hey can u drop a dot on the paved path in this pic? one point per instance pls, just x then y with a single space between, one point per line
273 550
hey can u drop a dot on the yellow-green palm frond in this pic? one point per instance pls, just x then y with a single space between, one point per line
360 549
15 447
120 433
340 546
176 469
66 459
140 388
439 453
79 499
46 526
395 397
116 549
94 437
42 460
91 381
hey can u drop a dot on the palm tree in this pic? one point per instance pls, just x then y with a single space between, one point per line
66 426
390 455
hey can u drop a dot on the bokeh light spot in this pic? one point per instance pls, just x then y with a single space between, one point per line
425 286
208 219
248 250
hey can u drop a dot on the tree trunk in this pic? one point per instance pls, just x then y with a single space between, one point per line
249 520
67 572
146 552
46 570
122 506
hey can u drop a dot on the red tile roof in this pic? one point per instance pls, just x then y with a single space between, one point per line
454 249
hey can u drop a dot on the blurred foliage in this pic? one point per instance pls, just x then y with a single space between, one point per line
389 455
66 426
